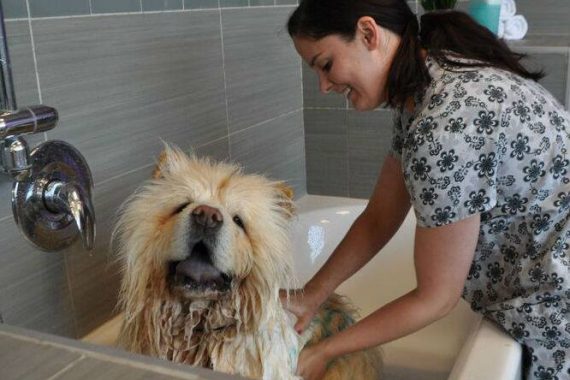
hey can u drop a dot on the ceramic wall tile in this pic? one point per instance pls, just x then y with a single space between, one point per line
34 292
51 8
263 73
326 152
94 277
274 148
369 141
115 6
122 83
161 5
14 9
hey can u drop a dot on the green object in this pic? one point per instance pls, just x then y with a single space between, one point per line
432 5
486 13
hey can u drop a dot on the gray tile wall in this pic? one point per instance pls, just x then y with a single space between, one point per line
345 150
57 8
224 82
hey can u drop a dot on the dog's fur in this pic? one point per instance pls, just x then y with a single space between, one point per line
205 251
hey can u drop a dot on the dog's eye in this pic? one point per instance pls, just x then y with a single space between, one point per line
180 208
237 220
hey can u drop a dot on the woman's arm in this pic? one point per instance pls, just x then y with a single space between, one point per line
379 221
443 257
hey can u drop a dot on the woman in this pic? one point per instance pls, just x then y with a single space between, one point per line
480 151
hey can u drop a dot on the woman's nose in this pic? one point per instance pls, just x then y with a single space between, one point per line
324 84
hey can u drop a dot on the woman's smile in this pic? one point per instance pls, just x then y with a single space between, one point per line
356 68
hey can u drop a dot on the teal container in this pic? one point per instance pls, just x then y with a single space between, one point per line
486 13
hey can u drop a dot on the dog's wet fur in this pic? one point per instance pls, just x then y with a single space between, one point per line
204 251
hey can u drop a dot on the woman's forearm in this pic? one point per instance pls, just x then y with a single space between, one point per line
442 258
380 220
359 246
397 319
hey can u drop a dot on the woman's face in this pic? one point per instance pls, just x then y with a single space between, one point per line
358 69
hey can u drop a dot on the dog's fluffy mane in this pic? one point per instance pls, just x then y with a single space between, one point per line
202 332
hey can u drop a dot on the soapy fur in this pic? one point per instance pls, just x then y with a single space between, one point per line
242 329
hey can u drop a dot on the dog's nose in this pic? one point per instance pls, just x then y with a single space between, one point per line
208 217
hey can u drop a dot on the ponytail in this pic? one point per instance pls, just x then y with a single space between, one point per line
452 34
408 73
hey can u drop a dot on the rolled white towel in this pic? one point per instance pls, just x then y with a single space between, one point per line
515 28
501 29
508 9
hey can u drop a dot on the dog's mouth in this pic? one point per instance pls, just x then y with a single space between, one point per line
196 277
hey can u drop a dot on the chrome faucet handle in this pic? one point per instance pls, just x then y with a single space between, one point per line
60 197
15 157
13 125
52 205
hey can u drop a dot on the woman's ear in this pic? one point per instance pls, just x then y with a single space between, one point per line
368 31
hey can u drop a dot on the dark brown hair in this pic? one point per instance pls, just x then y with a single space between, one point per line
444 34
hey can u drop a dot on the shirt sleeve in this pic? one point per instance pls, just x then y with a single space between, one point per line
451 165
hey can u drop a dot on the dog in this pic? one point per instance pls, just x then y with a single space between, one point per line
204 250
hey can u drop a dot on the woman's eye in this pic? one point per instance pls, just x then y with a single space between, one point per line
179 209
327 67
237 220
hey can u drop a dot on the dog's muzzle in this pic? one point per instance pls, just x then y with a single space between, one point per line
196 276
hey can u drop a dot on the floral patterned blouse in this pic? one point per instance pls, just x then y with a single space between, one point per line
484 140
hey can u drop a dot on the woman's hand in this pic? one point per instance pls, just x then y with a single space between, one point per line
312 364
303 303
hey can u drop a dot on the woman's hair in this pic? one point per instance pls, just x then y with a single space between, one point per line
444 34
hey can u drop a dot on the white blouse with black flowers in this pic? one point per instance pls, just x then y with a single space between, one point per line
484 140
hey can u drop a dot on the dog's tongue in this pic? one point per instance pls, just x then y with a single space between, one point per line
198 266
198 270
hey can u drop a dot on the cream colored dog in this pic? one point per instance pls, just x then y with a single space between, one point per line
205 250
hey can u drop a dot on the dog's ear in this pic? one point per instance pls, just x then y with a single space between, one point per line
285 198
160 163
169 160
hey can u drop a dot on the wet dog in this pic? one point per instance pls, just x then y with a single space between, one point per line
205 250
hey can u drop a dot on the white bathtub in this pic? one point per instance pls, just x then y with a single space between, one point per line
459 347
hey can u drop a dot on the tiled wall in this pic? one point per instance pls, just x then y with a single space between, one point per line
345 149
51 8
225 82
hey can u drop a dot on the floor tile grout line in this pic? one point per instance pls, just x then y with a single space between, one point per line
66 368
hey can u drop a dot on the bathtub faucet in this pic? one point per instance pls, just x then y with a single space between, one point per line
51 193
15 158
